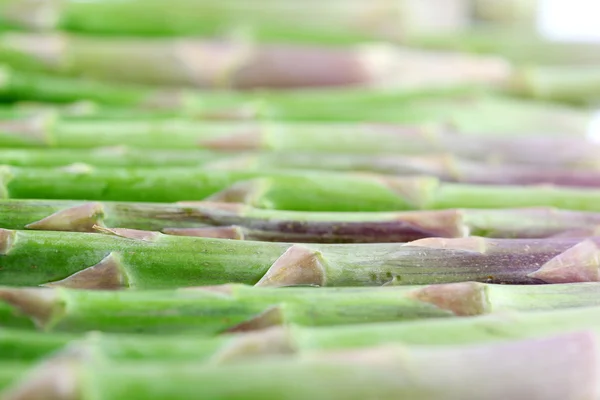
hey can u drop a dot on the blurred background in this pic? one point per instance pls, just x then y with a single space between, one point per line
477 66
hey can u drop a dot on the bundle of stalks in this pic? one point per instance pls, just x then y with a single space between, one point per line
219 200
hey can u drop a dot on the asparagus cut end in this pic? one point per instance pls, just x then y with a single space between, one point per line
41 305
33 129
81 218
251 140
106 275
472 244
417 191
245 192
274 340
271 317
146 236
218 232
53 379
297 266
580 263
33 14
462 299
7 240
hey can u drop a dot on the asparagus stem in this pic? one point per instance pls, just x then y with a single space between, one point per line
523 47
574 84
352 374
20 85
495 327
335 22
237 221
45 130
283 189
445 167
142 259
180 62
506 11
237 308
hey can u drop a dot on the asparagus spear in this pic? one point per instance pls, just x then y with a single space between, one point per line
237 221
46 130
143 259
350 374
496 327
238 308
506 11
335 21
181 62
445 167
21 85
573 84
284 189
523 47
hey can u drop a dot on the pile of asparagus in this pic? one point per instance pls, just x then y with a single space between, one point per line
254 199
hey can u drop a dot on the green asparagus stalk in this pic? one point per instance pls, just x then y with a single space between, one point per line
435 373
46 130
445 167
234 63
11 371
522 12
124 258
283 190
29 345
330 104
237 308
237 221
18 85
573 84
523 47
333 22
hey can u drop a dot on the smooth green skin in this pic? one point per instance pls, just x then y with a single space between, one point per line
282 21
288 190
17 85
283 190
11 371
208 312
509 223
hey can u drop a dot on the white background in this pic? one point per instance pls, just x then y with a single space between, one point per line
565 20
